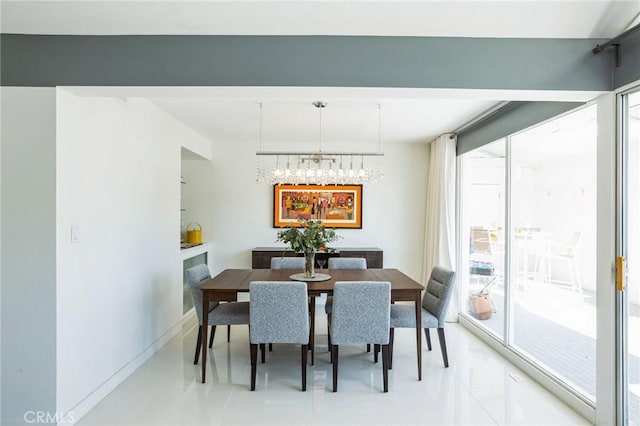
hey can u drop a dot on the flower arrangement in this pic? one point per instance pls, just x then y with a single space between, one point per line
309 237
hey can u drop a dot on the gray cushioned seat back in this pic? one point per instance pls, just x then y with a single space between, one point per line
195 275
347 263
360 312
439 289
287 263
278 312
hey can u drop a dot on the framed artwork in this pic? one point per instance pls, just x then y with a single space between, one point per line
337 206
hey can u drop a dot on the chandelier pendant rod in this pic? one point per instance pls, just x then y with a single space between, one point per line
260 126
379 139
320 105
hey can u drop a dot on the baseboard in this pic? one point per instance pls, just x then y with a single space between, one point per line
91 400
189 321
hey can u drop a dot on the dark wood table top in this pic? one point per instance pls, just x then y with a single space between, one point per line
239 279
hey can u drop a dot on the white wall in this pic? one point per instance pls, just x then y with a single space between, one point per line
237 212
119 292
28 252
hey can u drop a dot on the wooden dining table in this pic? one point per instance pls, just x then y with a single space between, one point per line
225 287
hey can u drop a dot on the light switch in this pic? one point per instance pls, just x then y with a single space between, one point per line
75 233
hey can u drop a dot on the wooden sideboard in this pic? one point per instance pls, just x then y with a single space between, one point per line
261 256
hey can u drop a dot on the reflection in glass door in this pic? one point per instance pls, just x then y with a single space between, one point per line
482 221
631 248
553 247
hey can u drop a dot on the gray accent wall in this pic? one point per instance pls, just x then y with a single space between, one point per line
510 119
337 61
28 233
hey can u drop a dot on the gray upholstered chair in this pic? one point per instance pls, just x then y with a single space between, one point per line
279 314
361 315
287 263
342 263
434 309
219 313
347 263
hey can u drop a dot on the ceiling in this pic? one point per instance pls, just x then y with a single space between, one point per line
422 18
296 124
351 120
289 120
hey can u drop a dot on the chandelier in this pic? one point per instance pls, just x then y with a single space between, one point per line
318 167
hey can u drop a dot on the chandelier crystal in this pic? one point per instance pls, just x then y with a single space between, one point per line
318 167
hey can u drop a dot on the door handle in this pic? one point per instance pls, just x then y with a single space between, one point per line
620 273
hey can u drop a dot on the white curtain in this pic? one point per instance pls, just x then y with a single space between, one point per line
440 231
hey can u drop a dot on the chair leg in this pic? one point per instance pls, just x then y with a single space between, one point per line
198 344
253 348
213 333
334 355
270 347
228 333
391 337
312 327
385 367
428 336
329 332
443 347
368 347
305 350
376 350
262 347
313 352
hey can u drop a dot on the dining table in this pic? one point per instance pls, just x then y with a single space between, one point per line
225 287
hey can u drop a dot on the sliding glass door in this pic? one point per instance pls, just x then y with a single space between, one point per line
527 241
629 300
553 247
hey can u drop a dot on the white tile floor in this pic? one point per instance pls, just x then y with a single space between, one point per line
479 387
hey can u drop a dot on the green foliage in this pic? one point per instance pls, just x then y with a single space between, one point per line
310 236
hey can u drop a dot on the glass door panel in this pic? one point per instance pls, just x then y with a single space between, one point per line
553 247
631 120
482 221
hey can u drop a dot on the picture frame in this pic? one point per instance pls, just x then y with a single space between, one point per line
337 206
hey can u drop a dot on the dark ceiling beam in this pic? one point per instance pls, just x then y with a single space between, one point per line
307 61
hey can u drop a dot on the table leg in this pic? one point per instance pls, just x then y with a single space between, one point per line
312 331
205 321
418 335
